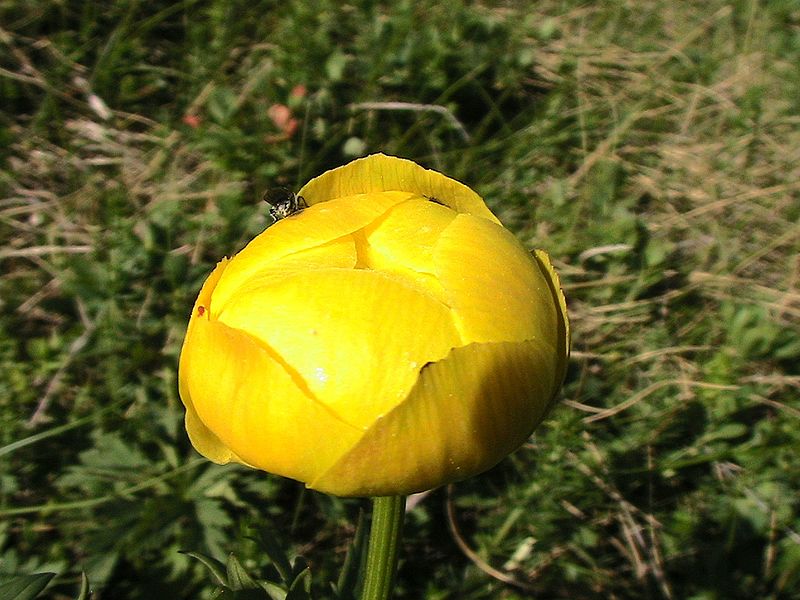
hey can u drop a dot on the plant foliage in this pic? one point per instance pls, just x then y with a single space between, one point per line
653 149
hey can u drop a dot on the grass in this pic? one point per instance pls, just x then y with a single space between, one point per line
654 151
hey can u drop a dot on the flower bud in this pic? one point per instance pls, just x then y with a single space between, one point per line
389 338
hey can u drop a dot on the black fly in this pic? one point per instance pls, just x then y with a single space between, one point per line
283 203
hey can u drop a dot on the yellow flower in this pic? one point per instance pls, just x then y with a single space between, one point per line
389 338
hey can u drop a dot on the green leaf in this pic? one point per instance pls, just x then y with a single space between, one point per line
789 349
101 563
725 432
335 65
299 566
25 587
213 519
216 567
345 587
274 591
266 542
85 593
238 579
221 104
301 586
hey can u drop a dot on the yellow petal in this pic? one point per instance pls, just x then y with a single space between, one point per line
202 438
408 233
497 290
256 405
402 242
332 348
381 173
339 253
355 338
312 228
466 412
564 335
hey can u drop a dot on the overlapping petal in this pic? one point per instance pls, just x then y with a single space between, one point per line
407 235
320 225
465 413
381 173
203 439
403 240
258 407
356 338
496 290
389 338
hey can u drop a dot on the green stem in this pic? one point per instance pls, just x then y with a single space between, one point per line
384 543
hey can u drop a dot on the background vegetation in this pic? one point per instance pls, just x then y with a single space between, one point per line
652 147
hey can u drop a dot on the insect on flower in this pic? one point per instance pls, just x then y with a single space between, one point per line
373 269
283 203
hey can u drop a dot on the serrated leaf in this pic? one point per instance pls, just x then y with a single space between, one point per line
213 519
266 542
238 579
25 587
216 567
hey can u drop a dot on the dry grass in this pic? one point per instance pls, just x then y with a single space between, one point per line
655 149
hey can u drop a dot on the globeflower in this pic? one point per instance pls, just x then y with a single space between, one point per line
389 338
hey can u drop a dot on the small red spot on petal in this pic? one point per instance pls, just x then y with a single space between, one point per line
201 310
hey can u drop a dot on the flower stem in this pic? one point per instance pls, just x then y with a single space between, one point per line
384 542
